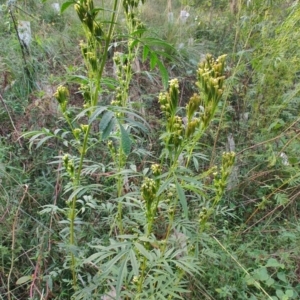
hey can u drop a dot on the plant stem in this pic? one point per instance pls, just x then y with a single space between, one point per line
119 190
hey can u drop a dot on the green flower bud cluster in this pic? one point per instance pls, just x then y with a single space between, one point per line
210 73
62 97
132 18
123 70
192 126
118 99
87 15
228 159
110 144
122 64
168 104
203 215
135 280
210 81
139 27
220 181
76 133
116 103
174 94
193 106
136 26
163 100
84 128
93 60
111 148
169 100
156 169
69 166
86 93
149 189
87 51
176 129
170 196
98 32
84 48
130 4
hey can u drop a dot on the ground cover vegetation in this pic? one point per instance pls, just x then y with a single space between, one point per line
150 150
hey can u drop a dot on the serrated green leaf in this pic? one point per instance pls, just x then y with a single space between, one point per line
96 113
105 120
152 41
125 140
106 124
153 60
145 53
164 74
136 124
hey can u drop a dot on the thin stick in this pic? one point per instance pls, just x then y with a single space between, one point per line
23 46
25 12
256 283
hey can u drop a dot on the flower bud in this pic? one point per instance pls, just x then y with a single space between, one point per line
76 133
156 169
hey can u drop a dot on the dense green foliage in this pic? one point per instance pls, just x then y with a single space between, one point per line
150 150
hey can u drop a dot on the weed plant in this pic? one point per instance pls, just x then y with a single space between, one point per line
134 259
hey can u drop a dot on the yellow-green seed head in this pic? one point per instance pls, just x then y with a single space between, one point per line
174 94
76 133
84 127
62 95
148 190
156 169
66 160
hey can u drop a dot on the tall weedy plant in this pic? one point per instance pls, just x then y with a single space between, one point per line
99 34
135 260
94 51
